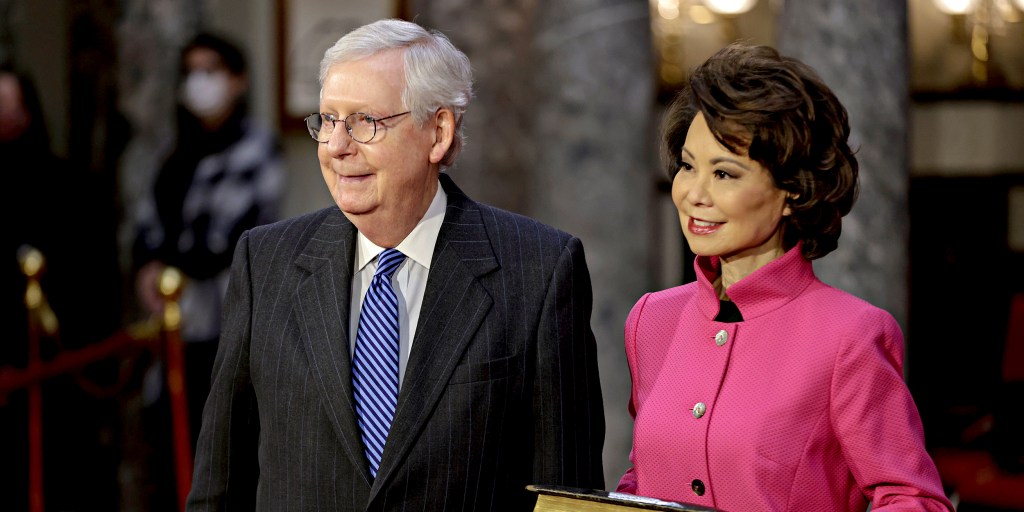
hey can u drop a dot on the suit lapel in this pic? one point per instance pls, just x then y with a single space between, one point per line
454 305
322 303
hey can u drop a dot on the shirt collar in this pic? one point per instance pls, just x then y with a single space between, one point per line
418 244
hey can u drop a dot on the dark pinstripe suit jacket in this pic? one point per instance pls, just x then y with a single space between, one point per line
501 389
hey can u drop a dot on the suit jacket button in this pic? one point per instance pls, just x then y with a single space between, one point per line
698 487
721 338
699 410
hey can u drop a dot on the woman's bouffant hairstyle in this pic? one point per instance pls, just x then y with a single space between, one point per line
778 112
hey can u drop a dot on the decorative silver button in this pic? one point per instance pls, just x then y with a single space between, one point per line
699 409
721 338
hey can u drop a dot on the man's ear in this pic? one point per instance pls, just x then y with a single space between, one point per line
444 134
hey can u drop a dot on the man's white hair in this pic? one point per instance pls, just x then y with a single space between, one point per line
437 74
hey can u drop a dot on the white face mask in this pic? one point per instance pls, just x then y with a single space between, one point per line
205 93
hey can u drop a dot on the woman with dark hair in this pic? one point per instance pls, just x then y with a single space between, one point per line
758 387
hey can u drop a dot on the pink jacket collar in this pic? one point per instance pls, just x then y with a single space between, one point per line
767 289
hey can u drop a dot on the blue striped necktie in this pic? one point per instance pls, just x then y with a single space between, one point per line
375 364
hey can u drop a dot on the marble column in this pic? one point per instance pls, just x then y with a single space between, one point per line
860 50
561 130
150 36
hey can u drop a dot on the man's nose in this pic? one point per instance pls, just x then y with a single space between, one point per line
340 142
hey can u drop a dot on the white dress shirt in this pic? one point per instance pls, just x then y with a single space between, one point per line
409 281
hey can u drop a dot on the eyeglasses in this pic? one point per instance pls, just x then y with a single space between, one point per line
361 127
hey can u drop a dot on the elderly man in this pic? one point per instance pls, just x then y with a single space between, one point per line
410 349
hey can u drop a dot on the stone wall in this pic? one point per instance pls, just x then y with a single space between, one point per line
860 50
561 130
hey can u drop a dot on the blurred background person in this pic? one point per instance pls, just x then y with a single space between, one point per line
759 387
58 208
223 176
28 166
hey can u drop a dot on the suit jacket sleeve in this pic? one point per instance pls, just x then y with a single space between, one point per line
568 408
226 467
875 419
628 483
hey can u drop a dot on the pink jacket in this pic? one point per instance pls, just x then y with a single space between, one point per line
801 406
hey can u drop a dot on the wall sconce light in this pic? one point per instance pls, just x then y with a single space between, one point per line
969 6
731 7
956 6
975 22
688 31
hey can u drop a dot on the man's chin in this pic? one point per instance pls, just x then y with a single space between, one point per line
353 204
351 211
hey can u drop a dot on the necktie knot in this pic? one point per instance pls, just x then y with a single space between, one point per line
388 262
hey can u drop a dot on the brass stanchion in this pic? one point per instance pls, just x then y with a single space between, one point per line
170 284
42 324
41 321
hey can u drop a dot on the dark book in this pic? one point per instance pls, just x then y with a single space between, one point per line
553 498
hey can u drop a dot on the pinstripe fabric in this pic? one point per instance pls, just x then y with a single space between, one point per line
375 362
501 386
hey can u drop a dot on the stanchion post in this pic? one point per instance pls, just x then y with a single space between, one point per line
41 320
170 284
